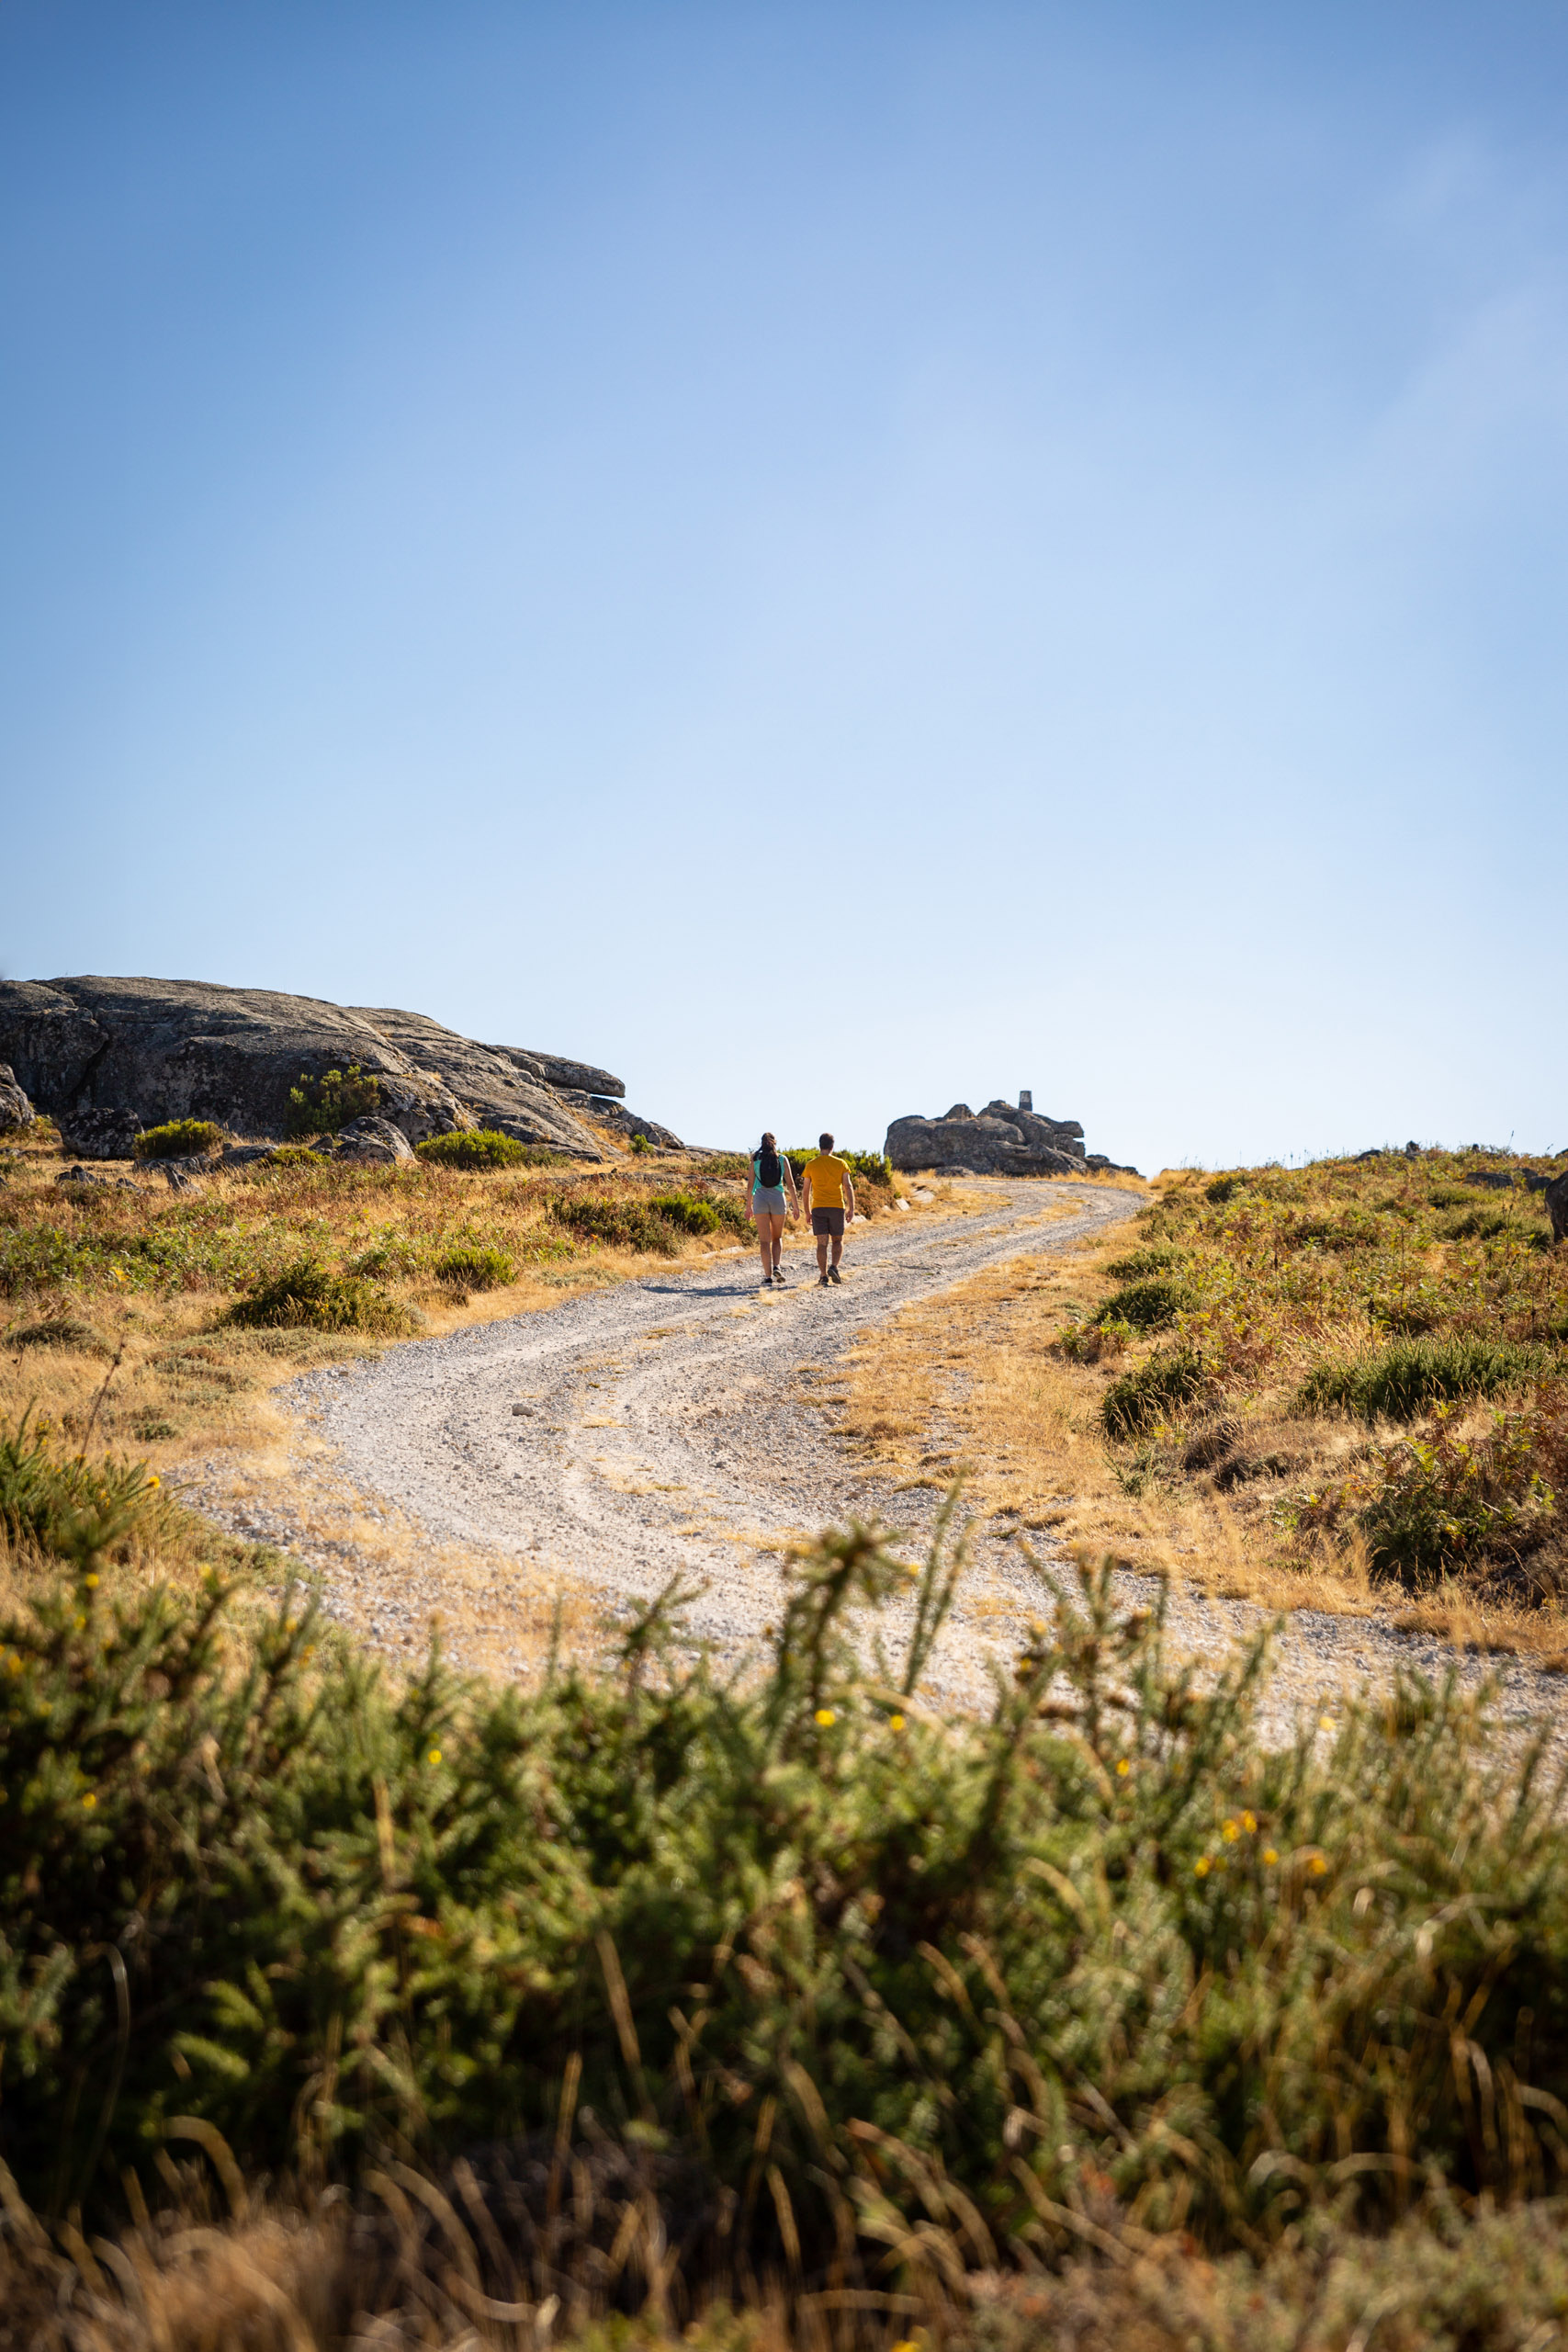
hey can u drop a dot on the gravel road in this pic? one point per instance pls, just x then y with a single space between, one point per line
667 1424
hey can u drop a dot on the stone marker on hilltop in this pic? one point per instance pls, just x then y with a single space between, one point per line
108 1058
1000 1140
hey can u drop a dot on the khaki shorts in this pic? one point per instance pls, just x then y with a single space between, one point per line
829 1221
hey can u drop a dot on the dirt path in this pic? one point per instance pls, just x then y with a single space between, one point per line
593 1450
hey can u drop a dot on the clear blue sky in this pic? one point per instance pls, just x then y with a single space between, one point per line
828 558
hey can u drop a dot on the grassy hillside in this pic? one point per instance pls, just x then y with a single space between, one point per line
1324 1383
790 1989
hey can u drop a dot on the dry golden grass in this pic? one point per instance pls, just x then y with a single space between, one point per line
185 1380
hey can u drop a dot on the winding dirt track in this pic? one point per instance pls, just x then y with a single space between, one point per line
593 1450
666 1425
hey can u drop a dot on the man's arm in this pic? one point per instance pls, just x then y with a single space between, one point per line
849 1196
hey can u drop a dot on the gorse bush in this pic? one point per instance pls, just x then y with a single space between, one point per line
686 1215
309 1295
1162 1258
657 1223
320 1106
178 1139
67 1506
1104 1953
474 1267
620 1224
1152 1392
1407 1378
473 1147
1151 1305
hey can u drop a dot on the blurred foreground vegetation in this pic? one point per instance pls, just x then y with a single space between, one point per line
782 1990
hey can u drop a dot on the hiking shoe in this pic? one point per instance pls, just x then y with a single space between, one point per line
767 1282
778 1276
833 1274
821 1281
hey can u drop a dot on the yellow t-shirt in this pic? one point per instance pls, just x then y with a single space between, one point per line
827 1178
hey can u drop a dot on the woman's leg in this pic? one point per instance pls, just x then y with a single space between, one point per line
766 1228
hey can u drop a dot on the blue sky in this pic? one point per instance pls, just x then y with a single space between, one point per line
830 559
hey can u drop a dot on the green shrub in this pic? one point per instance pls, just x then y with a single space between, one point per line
473 1147
686 1215
1151 1392
1223 1188
1160 1257
320 1106
871 1167
178 1139
1484 1221
1151 1305
310 1297
1406 1378
917 1947
623 1225
476 1267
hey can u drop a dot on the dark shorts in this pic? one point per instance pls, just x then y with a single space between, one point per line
829 1221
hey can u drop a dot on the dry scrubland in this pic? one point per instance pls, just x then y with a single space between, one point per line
338 2010
1336 1386
208 1297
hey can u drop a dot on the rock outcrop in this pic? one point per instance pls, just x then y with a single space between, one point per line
1003 1139
1556 1198
15 1111
106 1057
106 1133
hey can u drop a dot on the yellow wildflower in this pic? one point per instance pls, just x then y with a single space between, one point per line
825 1715
1229 1832
89 1801
1249 1822
1122 1768
895 1723
1202 1866
435 1756
1318 1866
1269 1856
91 1581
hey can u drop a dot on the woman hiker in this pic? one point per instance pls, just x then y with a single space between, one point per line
771 1179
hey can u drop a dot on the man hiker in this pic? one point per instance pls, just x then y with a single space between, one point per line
828 1189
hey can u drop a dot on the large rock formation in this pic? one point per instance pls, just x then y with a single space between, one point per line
1001 1140
105 1056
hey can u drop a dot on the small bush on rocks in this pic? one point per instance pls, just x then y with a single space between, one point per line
320 1106
178 1139
473 1147
310 1297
